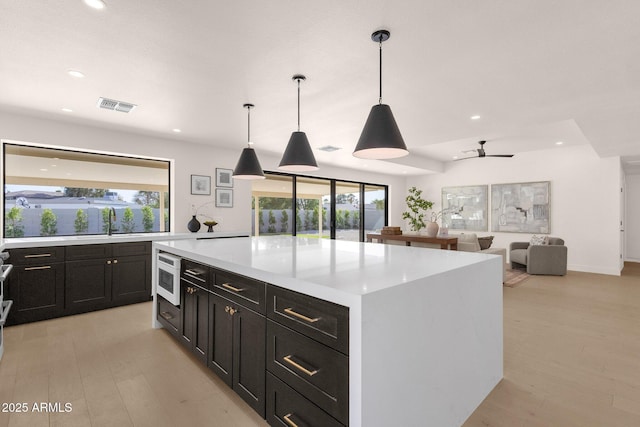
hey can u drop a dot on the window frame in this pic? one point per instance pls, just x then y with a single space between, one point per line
3 179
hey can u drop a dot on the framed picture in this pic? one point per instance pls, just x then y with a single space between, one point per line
224 198
521 207
224 177
201 184
466 207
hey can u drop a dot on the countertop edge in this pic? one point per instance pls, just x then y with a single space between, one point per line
35 242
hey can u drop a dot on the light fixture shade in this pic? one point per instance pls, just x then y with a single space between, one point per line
298 156
380 138
248 166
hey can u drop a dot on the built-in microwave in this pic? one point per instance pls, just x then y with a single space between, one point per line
168 277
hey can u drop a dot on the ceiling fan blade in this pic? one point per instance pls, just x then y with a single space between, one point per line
499 155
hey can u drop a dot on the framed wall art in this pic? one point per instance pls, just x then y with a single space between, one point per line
224 198
201 184
522 207
224 177
465 207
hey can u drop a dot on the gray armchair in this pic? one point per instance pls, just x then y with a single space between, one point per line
540 259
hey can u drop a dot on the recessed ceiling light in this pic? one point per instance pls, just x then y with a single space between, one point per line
559 143
67 110
75 73
96 4
176 130
44 170
455 157
475 117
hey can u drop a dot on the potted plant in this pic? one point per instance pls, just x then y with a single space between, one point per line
418 208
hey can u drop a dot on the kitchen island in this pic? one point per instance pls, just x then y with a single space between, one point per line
424 326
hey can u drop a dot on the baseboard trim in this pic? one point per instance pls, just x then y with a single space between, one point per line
593 269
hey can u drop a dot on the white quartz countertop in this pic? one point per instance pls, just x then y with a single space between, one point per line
330 269
33 242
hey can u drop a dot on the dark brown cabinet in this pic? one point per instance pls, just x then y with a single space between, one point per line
194 308
57 281
307 360
169 316
88 285
107 275
36 284
237 349
285 407
131 279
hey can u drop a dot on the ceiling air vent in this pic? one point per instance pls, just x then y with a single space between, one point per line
329 148
112 104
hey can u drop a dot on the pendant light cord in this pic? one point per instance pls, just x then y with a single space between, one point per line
298 105
380 98
249 126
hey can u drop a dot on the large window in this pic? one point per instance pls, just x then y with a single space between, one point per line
59 192
317 207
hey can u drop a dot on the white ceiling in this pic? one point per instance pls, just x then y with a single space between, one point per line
537 72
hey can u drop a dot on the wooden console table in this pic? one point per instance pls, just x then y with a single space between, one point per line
444 242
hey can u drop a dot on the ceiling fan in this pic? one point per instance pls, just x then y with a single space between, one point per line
481 153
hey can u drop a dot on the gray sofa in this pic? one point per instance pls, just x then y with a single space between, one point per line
468 242
548 259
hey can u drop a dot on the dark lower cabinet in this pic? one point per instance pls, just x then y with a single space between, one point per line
88 285
56 281
131 279
237 349
37 292
286 407
107 275
221 339
169 316
194 309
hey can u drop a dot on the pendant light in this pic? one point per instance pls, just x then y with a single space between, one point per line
248 166
380 138
298 156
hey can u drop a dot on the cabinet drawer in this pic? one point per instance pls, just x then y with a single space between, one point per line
132 248
80 252
321 320
168 315
31 256
196 273
286 406
242 290
314 370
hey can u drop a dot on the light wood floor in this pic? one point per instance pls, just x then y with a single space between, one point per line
572 358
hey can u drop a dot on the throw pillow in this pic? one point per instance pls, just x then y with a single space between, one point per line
485 242
539 240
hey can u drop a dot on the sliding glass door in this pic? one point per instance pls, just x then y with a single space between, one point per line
313 207
317 207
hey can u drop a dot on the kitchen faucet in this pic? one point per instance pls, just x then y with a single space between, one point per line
112 217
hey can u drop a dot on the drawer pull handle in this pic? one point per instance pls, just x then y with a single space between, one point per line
38 256
299 366
44 267
289 421
232 288
301 316
192 272
166 315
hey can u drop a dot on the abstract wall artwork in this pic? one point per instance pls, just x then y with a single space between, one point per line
521 207
465 208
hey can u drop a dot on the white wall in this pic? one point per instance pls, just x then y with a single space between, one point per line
585 199
632 218
188 159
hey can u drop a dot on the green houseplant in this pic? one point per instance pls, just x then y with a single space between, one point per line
418 208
